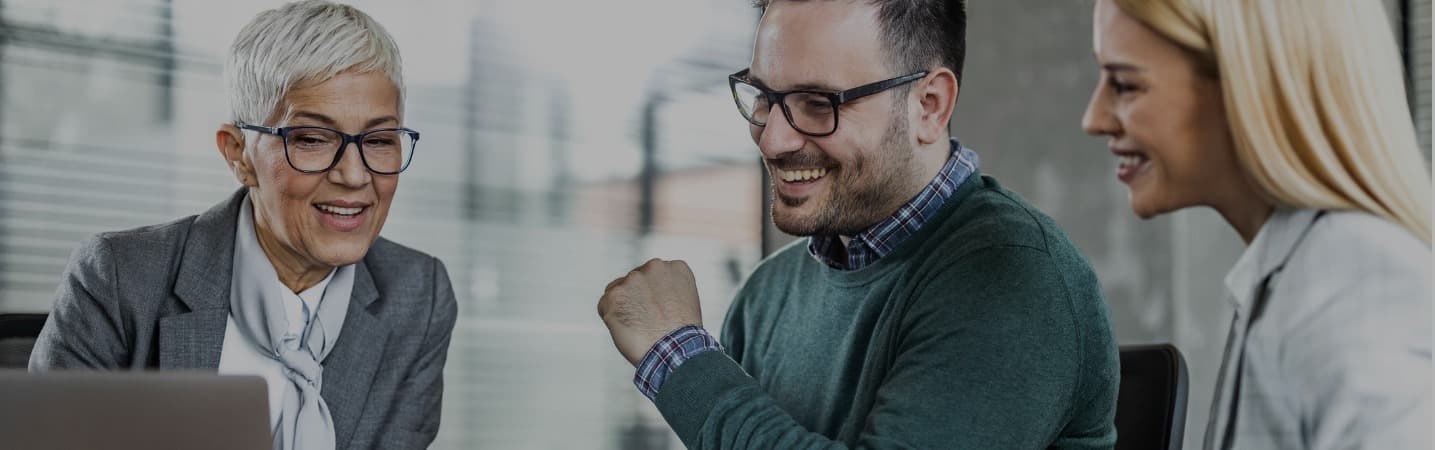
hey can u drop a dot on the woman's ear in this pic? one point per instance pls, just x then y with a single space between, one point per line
230 141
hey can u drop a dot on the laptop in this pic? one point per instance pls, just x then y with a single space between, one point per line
133 410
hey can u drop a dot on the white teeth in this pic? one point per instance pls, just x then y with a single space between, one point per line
1129 160
801 175
340 211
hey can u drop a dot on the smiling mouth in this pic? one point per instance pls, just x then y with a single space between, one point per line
801 176
1130 161
1131 164
339 210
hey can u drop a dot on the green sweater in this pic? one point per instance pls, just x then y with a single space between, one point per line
984 330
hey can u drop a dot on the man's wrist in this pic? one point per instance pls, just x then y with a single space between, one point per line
670 352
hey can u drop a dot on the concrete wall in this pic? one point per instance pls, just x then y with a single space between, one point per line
1028 77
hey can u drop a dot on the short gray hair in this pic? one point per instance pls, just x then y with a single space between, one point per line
301 44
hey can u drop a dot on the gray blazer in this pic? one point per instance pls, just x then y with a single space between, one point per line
157 297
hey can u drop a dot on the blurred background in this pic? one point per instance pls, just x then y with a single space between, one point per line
564 143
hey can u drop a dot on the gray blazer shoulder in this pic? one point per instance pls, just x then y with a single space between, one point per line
157 297
1353 306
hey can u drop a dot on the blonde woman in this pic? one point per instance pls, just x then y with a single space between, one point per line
1289 119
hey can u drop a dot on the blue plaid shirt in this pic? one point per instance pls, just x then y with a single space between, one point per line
668 353
862 250
878 240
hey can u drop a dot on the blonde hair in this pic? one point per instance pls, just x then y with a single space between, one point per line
301 44
1315 98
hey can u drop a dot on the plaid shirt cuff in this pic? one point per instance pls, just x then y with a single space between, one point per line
669 353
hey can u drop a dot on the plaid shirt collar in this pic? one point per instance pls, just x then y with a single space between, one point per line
877 241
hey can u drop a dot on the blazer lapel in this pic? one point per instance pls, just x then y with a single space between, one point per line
350 368
194 339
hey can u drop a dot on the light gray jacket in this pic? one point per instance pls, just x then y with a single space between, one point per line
1338 354
157 297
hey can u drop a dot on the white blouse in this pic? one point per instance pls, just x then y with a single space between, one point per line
241 356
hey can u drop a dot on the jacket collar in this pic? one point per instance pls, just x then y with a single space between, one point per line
195 339
350 368
1268 252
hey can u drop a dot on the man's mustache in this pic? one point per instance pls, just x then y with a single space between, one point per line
799 160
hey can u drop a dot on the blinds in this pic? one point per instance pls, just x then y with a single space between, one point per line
526 183
1417 23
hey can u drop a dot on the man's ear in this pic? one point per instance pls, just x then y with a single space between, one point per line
230 141
937 97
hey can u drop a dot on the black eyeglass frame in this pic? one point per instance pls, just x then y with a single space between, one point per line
837 98
345 139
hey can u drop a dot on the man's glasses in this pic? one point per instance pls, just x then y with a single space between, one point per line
384 151
810 112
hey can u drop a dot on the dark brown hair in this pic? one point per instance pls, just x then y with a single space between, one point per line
919 34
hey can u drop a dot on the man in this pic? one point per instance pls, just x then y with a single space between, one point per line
929 308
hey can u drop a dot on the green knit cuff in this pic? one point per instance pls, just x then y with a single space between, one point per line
691 392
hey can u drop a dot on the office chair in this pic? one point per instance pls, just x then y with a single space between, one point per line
17 338
1151 403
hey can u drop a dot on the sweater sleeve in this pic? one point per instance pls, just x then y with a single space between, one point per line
987 357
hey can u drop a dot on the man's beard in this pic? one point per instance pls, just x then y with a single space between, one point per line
860 194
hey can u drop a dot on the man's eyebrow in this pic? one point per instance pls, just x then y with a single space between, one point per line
800 86
756 81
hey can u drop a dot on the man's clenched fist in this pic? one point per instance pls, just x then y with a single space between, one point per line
647 304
